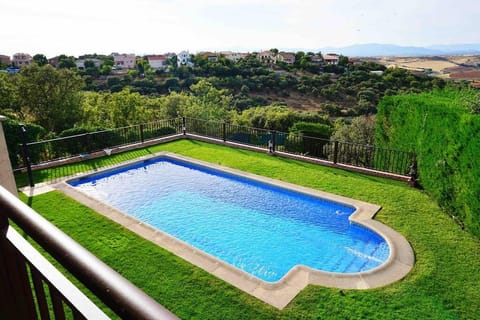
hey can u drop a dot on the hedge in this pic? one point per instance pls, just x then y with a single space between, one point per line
443 129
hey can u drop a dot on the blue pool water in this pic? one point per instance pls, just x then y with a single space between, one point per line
261 229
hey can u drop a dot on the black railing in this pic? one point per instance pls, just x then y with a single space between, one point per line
337 152
31 288
87 143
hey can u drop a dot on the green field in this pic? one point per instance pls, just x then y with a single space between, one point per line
444 283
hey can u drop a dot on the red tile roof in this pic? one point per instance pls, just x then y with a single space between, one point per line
157 57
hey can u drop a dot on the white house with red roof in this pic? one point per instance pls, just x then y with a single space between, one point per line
157 61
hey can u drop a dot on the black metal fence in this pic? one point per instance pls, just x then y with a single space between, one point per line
357 155
354 154
86 143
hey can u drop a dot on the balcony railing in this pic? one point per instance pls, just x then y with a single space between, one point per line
31 288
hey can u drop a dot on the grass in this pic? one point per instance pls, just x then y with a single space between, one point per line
444 283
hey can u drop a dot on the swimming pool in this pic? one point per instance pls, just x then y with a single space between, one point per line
257 227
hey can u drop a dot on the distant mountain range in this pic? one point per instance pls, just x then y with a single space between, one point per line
375 49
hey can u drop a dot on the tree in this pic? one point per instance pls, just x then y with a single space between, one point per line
360 130
343 61
40 59
65 62
276 117
207 102
304 61
274 52
91 69
332 109
142 66
105 69
33 132
8 94
172 84
298 56
113 81
89 64
173 104
311 129
113 110
51 97
172 63
183 72
313 138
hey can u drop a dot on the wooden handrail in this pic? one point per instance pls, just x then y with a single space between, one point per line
116 292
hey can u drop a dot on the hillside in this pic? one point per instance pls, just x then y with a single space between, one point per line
455 67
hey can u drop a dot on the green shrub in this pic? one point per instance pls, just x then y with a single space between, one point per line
442 130
14 140
158 132
309 138
311 129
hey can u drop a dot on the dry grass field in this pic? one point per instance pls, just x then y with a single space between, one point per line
450 67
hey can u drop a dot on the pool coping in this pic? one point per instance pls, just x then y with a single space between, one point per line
277 294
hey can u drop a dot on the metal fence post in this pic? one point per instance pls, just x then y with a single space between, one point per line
142 138
335 151
87 143
413 181
224 131
184 125
26 155
274 138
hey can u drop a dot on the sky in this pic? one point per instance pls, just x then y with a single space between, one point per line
53 27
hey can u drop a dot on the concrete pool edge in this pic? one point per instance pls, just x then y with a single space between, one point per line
280 293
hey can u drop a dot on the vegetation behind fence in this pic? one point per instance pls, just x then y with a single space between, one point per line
83 144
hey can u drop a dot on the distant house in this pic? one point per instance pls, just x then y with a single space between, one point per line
124 61
356 61
184 59
331 58
5 59
286 57
53 61
157 61
233 56
265 56
81 63
21 60
316 59
210 56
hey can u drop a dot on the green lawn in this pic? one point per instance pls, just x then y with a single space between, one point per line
444 283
